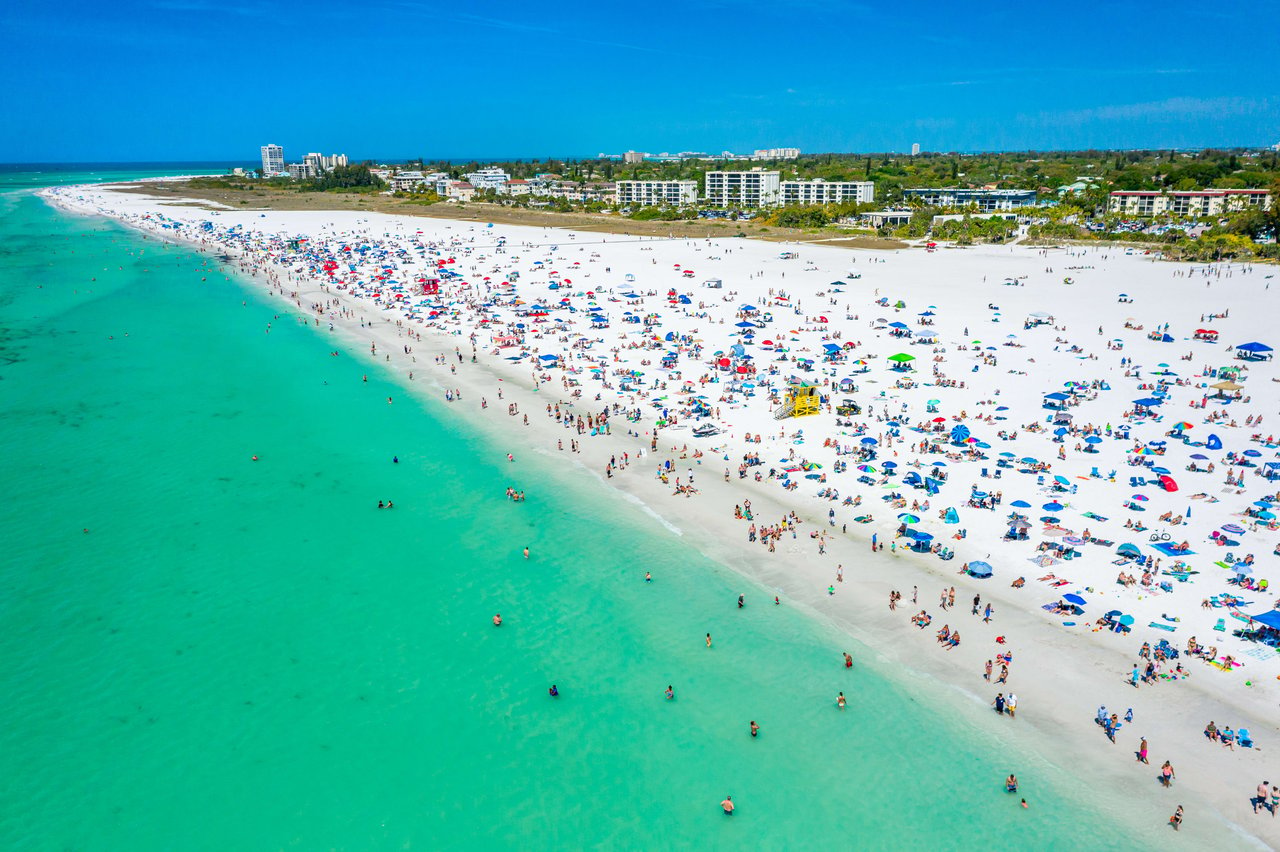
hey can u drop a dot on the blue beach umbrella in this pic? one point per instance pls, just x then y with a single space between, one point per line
1020 504
1053 507
1074 599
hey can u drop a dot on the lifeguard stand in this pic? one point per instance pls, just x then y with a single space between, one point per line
800 401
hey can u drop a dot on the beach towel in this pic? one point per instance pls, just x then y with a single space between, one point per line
1169 549
1263 654
1169 627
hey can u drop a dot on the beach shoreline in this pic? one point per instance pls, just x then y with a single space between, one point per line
1072 671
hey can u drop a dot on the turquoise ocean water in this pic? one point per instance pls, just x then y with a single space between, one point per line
243 655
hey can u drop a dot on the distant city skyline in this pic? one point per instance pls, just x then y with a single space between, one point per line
172 80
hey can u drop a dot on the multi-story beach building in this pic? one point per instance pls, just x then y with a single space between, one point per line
756 188
1207 202
819 191
490 178
633 157
986 200
272 160
654 193
301 171
776 154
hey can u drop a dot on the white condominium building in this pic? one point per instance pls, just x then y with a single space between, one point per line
272 160
1209 202
654 193
776 154
756 188
820 191
490 178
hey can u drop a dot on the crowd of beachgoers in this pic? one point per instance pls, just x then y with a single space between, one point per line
1081 440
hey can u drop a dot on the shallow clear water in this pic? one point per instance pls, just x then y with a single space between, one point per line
242 654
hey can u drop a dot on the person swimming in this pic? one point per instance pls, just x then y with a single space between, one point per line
553 692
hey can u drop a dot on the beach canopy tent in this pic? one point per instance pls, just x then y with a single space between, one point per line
979 569
1270 619
1254 347
1057 399
1213 442
1148 402
1128 550
952 516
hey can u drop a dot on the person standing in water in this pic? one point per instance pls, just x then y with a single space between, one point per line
553 692
755 729
671 693
708 640
497 619
848 660
526 553
840 702
727 804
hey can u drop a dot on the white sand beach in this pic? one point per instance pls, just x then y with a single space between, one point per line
1045 492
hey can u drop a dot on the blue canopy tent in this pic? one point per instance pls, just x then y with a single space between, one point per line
951 517
1270 619
1056 400
1213 442
1253 351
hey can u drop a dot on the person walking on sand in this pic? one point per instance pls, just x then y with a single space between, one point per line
1261 798
1142 751
986 674
1176 819
1167 774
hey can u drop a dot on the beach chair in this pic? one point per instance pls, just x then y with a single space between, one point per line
984 473
1133 482
1095 474
1221 626
999 473
1244 738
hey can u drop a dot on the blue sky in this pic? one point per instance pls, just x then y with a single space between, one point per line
134 80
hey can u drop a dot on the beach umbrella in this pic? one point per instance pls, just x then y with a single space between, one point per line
869 441
1126 620
1241 569
1252 453
1050 519
1053 507
1020 504
1060 431
1007 455
979 569
1072 598
1093 439
908 518
959 433
1141 498
1234 529
1199 456
866 468
902 357
889 465
1073 540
